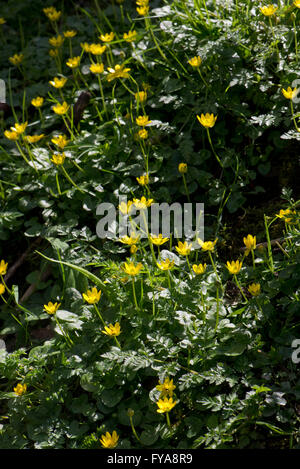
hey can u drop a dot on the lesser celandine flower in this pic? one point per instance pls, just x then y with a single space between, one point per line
19 128
143 180
16 59
133 249
11 134
3 267
20 389
61 108
97 68
60 141
130 36
51 308
250 243
70 33
92 296
130 240
58 82
234 267
132 269
254 289
118 72
268 10
96 49
165 405
184 248
58 158
142 203
297 3
207 245
73 62
195 61
112 331
109 441
142 121
285 215
289 93
33 138
85 46
182 168
167 264
125 207
37 102
56 41
143 10
166 388
108 37
141 96
199 269
53 52
158 240
52 13
2 288
143 134
2 20
207 120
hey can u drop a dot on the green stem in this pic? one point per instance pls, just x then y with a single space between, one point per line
212 147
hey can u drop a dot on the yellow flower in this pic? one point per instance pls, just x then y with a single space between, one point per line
283 214
141 96
111 330
97 68
109 440
11 134
133 249
268 10
289 93
118 72
131 269
199 269
165 405
195 61
58 82
2 20
297 3
254 289
2 288
143 11
184 248
73 62
56 41
143 180
167 387
167 264
60 141
207 120
70 33
234 267
158 240
33 138
130 240
37 102
182 168
54 16
20 389
143 134
19 128
207 245
130 36
142 121
96 49
92 296
58 158
53 52
60 108
51 308
143 203
125 208
3 267
250 243
16 59
107 37
85 46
